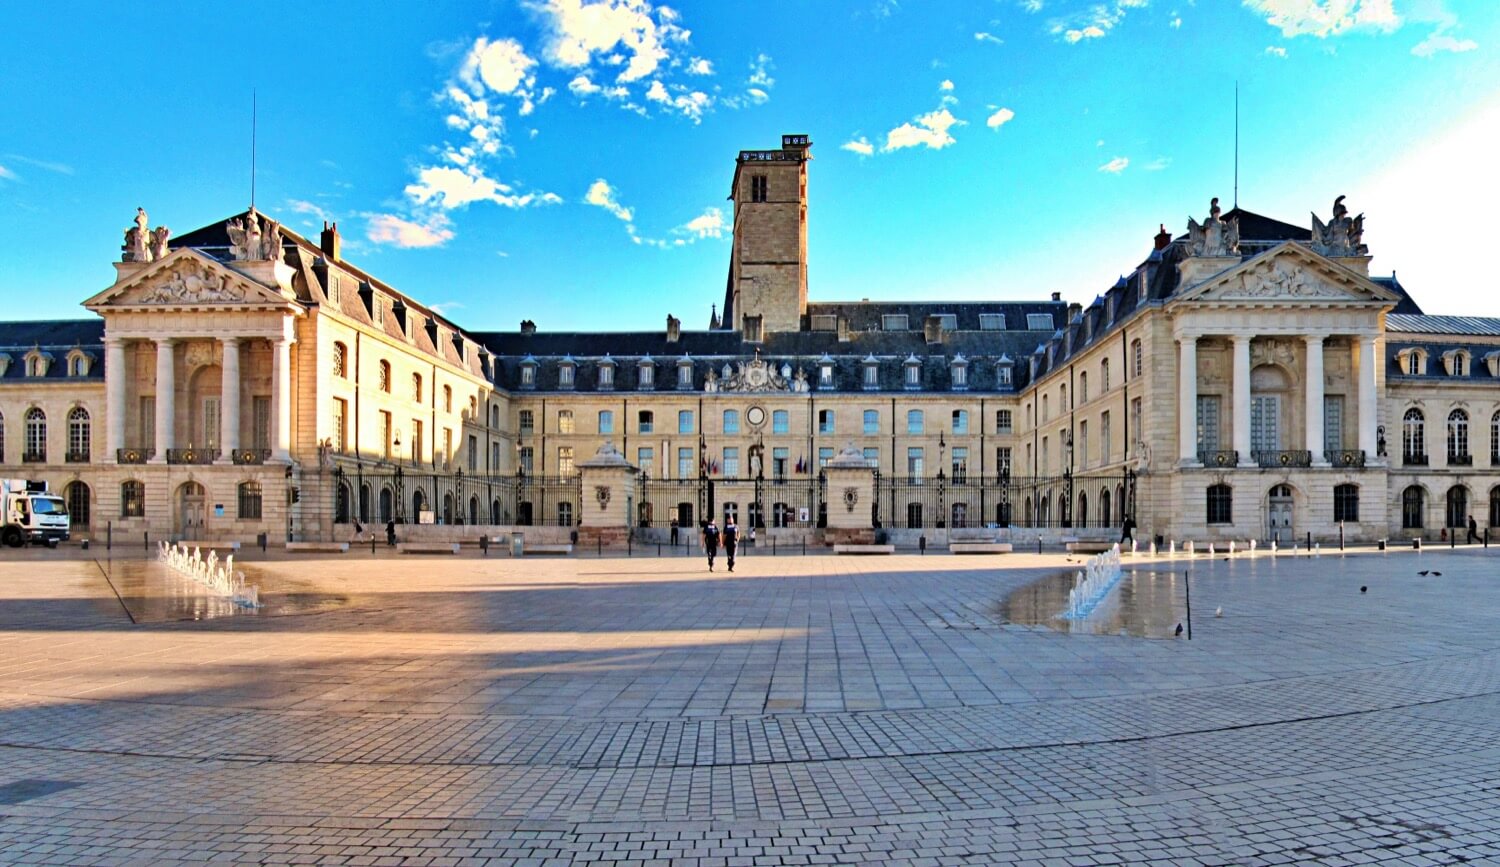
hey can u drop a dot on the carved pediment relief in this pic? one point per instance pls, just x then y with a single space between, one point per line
1290 273
192 283
185 279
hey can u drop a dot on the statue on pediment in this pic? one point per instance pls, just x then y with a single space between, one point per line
1215 236
143 244
711 381
250 241
1341 235
799 382
159 238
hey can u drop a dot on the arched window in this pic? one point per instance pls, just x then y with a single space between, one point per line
340 360
1083 388
79 500
1458 507
384 377
495 416
1104 516
78 435
473 510
132 499
1458 437
1413 438
1104 376
1346 502
915 422
364 503
1495 439
448 508
416 387
341 505
1083 510
418 505
1412 503
385 505
36 435
494 511
250 501
1220 504
1495 506
1137 358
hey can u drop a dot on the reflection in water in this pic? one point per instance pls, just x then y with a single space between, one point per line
153 593
1144 604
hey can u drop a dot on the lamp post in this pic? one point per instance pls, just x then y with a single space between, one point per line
705 502
458 496
340 501
520 480
400 481
1067 509
942 503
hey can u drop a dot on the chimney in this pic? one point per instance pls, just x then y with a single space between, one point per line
528 327
932 328
1056 296
674 328
843 326
1075 310
330 241
1163 238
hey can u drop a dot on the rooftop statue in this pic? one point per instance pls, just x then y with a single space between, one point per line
1341 235
248 241
142 244
1215 237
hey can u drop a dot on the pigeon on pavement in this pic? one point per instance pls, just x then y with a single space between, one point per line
1179 630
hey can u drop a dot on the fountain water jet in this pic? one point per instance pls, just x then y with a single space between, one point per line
219 577
1101 573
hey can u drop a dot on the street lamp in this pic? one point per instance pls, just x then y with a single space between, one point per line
1067 509
400 481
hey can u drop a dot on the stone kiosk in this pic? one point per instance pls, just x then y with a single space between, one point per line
851 495
608 481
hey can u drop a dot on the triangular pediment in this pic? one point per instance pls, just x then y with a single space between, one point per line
187 278
1290 273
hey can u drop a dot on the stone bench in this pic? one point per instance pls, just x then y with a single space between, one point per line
427 548
548 548
1087 546
211 545
317 547
979 547
864 549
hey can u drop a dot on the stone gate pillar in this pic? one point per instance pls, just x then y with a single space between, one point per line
608 494
851 496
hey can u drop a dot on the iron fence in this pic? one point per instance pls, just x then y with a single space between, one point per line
965 501
760 503
381 493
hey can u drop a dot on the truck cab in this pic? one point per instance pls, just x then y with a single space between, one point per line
32 514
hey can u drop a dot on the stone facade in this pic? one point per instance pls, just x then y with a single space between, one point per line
1249 379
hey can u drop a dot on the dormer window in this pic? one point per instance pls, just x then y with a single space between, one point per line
825 372
1411 361
646 374
960 372
912 377
565 373
685 373
1492 361
37 363
870 378
992 322
79 363
528 372
1005 372
1039 321
894 322
606 374
1456 362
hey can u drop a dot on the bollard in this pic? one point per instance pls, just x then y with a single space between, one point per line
1309 540
372 544
1453 538
1380 546
484 545
109 535
804 546
658 549
922 544
1039 543
1341 535
1317 550
1486 537
1416 544
146 540
773 546
599 546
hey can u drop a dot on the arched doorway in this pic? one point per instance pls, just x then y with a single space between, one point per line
1104 515
1083 509
385 505
79 497
1269 385
190 511
1279 515
1458 508
341 508
204 387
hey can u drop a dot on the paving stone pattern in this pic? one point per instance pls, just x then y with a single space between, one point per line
809 710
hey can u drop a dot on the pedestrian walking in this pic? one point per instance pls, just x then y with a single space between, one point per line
674 532
390 532
1473 530
711 542
1127 530
731 541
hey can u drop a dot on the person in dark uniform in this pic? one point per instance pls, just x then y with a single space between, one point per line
711 542
1127 529
1473 533
390 532
674 532
731 541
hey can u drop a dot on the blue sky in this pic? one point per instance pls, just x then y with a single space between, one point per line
568 161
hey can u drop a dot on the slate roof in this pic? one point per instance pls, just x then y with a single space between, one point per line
56 337
1461 326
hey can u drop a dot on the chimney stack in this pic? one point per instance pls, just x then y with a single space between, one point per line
528 327
1163 238
330 240
1056 296
674 328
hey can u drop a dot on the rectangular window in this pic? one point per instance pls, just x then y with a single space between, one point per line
825 376
872 376
416 441
913 375
894 322
752 329
606 421
260 409
824 322
731 421
565 461
565 376
1208 423
606 376
473 453
1265 423
685 421
494 466
872 422
1039 321
385 434
685 464
528 458
1220 505
872 456
645 460
960 421
824 456
1002 421
565 421
960 467
132 500
211 421
147 425
1135 427
1333 422
684 376
527 423
759 187
1002 460
448 445
1046 457
340 424
250 501
914 462
731 469
1104 438
1346 502
779 421
528 375
825 421
947 321
1083 444
779 460
1004 374
992 322
960 376
647 375
915 422
645 421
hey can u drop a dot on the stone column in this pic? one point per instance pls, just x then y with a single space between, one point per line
115 377
166 399
1367 400
229 402
1314 390
1241 407
281 400
851 494
1187 399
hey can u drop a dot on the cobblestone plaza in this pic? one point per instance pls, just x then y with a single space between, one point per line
803 710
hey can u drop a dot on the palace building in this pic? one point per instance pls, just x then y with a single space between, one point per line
1248 379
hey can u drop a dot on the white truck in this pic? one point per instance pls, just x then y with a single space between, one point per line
32 514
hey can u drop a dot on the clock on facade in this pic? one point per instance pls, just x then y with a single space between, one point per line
756 416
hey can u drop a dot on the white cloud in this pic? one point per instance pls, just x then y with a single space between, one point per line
860 146
450 188
1175 23
1094 23
48 165
1157 164
1324 18
601 194
929 130
1093 31
445 308
946 85
757 95
699 66
627 33
7 174
301 206
503 66
1438 42
1115 166
581 86
983 36
1276 51
399 232
709 224
760 71
999 118
1032 6
689 103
